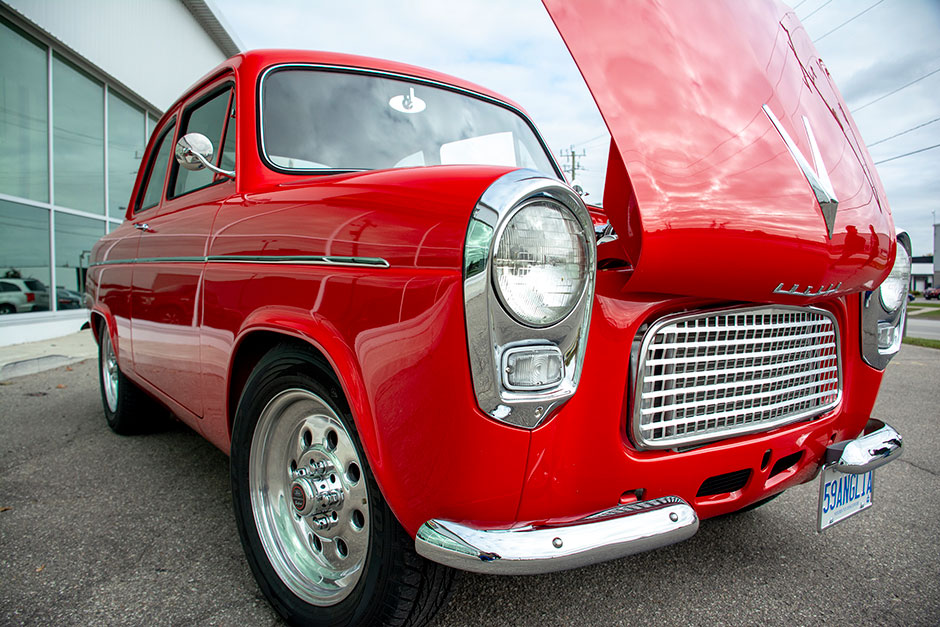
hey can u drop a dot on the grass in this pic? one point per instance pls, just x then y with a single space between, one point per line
919 341
934 314
924 303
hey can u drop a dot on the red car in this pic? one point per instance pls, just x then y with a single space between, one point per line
370 285
932 292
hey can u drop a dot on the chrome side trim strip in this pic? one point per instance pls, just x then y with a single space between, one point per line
606 535
297 260
880 445
309 260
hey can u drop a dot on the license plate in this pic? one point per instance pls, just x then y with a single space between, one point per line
842 495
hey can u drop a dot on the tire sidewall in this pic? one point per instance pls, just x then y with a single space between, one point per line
277 372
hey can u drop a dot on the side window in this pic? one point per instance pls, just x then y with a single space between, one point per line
208 118
157 174
7 287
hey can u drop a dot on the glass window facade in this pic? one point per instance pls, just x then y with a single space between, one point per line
24 250
78 138
126 137
50 217
24 116
74 237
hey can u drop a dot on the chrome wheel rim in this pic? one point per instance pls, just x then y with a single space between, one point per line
109 371
308 497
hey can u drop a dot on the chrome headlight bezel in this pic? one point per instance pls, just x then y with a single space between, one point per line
882 328
492 330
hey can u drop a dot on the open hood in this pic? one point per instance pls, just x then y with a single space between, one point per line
714 184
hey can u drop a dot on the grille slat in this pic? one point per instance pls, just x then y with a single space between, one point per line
735 384
705 377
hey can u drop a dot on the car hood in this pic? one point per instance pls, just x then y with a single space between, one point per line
706 196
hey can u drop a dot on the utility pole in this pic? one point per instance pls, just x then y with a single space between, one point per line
574 166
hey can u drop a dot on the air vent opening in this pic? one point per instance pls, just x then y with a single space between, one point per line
723 484
786 463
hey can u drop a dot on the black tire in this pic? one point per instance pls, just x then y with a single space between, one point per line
395 586
130 411
7 308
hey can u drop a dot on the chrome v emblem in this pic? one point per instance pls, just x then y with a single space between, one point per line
817 177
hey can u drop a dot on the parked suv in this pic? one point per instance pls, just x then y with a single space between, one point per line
37 288
15 299
932 292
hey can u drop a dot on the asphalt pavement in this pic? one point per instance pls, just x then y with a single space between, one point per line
99 529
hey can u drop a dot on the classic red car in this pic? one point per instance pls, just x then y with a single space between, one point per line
371 285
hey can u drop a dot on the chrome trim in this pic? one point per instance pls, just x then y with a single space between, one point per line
193 151
604 233
606 535
879 445
298 260
639 431
386 74
796 291
875 316
306 260
818 177
491 330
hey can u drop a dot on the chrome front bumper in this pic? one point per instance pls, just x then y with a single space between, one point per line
610 534
876 447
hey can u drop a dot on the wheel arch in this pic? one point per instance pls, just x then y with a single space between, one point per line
261 333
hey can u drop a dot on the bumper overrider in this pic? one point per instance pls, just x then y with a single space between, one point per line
612 533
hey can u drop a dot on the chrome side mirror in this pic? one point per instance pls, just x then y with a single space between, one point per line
194 152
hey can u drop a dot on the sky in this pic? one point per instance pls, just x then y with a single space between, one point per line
871 47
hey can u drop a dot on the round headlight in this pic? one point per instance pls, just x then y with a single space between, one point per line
540 263
894 289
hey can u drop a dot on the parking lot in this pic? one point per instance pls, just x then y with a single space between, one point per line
101 529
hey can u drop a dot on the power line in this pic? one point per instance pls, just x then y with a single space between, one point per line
849 20
913 128
908 154
802 2
803 19
916 80
593 139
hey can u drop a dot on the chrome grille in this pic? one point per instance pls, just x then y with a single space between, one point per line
710 376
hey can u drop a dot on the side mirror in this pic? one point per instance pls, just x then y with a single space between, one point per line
194 152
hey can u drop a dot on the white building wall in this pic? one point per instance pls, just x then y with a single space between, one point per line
154 47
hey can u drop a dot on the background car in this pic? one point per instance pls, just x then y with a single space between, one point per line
68 299
14 298
932 292
37 288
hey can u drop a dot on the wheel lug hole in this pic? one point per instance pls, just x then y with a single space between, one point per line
341 549
307 437
358 520
353 473
331 440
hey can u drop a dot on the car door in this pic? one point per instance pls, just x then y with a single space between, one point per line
171 257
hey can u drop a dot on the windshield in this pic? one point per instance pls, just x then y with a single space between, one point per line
313 119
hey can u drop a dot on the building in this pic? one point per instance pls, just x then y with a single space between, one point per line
82 84
922 273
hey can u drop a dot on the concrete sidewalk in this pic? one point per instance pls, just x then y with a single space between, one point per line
32 357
